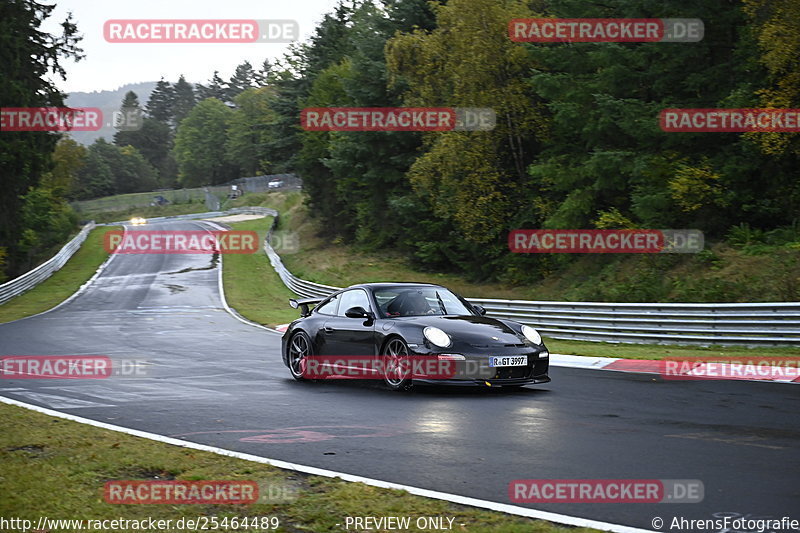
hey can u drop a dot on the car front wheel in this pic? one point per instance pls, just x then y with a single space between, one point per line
395 351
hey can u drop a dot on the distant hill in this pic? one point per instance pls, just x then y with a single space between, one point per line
107 101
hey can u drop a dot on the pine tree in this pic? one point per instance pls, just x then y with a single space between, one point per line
162 100
264 74
130 111
131 101
243 78
216 88
185 100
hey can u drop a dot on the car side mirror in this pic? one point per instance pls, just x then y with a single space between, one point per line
358 312
479 308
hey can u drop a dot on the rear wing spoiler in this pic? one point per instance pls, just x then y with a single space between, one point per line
303 304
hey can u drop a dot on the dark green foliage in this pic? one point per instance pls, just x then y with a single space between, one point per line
29 59
111 169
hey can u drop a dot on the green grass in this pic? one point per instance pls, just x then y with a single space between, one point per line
120 202
58 287
251 285
57 468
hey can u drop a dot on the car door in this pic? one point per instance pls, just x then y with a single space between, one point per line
350 336
322 314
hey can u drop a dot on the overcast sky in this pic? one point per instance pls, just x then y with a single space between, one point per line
108 66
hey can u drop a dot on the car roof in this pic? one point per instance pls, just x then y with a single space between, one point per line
388 284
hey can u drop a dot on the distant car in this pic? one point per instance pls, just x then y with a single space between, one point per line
275 183
138 221
385 322
159 200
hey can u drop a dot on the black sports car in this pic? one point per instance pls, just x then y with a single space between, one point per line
410 332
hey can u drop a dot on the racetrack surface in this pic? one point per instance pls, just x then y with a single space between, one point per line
215 380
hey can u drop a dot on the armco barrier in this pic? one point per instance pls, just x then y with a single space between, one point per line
30 279
749 324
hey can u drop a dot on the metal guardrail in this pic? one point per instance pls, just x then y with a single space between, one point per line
30 279
749 324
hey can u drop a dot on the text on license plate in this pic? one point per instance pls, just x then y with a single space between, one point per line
508 360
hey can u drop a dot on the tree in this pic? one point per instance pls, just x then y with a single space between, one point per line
130 101
185 100
607 152
776 28
110 169
153 140
130 104
47 220
216 88
160 106
243 78
264 75
96 177
248 131
132 172
69 158
475 182
200 147
29 56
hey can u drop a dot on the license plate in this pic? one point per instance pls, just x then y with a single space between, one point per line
508 360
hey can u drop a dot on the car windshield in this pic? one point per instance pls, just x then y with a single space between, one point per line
419 301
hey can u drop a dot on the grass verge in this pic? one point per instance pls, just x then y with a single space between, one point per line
251 285
61 285
57 468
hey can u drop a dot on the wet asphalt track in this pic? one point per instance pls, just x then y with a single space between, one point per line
214 380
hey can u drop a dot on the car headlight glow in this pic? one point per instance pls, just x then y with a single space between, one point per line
531 334
437 337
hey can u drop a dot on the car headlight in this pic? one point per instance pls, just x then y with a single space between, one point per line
437 337
531 334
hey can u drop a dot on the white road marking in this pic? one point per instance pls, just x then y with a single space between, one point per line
60 402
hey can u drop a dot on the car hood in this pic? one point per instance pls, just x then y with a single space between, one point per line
471 329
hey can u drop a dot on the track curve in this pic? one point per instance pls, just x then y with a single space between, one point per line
214 380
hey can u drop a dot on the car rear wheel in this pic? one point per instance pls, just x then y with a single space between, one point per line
299 350
394 352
